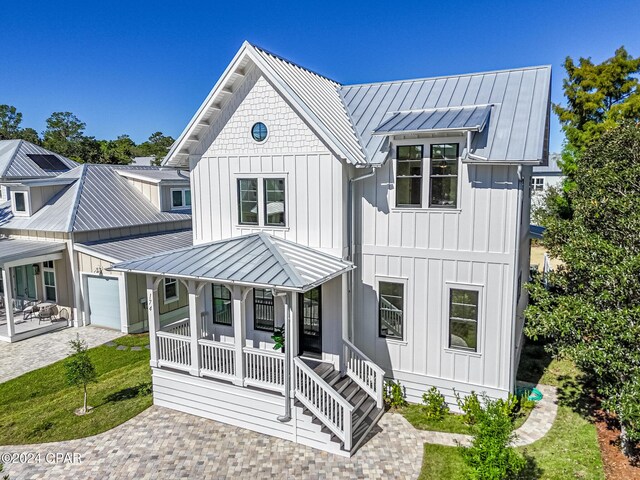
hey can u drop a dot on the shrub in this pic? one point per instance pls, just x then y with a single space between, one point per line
470 407
394 394
511 405
490 456
435 406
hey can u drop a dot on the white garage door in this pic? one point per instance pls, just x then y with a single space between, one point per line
104 302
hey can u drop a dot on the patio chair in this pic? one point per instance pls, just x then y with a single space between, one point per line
48 314
30 310
63 316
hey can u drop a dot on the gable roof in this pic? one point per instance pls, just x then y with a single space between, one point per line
257 259
99 198
15 161
345 117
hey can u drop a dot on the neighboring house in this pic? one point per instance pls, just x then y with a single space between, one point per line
63 232
545 177
383 225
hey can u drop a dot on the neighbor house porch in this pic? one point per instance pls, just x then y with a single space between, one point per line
30 291
244 294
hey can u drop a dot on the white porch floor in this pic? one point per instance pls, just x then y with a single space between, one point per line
27 328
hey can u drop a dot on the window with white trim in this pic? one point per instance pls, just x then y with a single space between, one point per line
391 309
443 177
274 202
171 293
463 318
537 184
409 176
49 281
262 201
20 202
180 198
248 201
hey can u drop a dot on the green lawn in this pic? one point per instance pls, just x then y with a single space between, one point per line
569 450
39 406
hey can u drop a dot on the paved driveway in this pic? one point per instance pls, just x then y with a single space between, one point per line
165 444
36 352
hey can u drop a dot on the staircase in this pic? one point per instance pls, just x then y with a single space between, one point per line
346 400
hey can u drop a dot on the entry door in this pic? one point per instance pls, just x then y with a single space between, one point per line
25 282
309 304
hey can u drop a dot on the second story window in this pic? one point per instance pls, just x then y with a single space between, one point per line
180 198
248 201
537 184
20 202
274 201
444 176
409 176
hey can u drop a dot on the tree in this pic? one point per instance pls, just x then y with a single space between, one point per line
10 120
599 97
30 135
591 309
157 145
64 134
79 368
119 151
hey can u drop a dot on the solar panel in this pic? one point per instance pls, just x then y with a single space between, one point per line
48 162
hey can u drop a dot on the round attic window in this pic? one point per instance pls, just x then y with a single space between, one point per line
259 132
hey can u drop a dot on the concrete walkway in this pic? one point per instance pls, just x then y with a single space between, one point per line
36 352
165 444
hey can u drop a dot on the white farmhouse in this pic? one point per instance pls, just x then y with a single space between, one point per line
544 177
383 225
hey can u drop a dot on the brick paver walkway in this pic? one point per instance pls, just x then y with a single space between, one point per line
36 352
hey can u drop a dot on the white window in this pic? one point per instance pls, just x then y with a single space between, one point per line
391 310
171 293
20 203
463 317
537 184
443 177
262 201
180 198
49 281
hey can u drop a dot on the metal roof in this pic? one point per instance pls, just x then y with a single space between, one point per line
518 124
157 176
15 161
256 259
472 118
129 248
551 168
12 249
98 199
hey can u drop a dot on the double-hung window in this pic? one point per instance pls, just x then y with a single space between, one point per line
274 201
248 201
463 319
409 176
170 290
271 192
49 280
391 310
180 198
537 184
263 310
444 176
222 313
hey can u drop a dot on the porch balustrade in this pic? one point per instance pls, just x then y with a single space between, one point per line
174 350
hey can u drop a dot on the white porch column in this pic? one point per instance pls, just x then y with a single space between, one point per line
8 300
195 323
294 343
154 316
239 331
346 302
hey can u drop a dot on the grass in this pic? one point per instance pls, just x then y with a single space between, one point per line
39 406
569 450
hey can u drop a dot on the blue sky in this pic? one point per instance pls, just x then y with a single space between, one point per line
137 67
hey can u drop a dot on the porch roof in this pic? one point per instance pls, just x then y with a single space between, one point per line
14 249
257 259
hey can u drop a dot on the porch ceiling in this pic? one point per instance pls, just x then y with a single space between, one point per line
14 249
257 259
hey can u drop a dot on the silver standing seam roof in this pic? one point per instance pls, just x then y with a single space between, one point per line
98 199
257 259
15 161
129 248
12 249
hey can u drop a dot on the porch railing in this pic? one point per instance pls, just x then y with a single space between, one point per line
217 359
179 327
323 401
264 368
174 350
368 375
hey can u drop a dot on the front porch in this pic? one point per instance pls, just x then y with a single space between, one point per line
319 389
26 328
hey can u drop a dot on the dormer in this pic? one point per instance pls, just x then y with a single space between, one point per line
29 196
168 189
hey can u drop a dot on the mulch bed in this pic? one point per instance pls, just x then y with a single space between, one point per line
616 465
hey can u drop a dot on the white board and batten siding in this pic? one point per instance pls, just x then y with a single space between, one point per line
433 250
315 180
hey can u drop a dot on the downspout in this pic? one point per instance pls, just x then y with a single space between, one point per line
470 155
351 241
287 358
516 266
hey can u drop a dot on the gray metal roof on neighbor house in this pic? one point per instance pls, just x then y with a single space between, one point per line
157 176
15 160
129 248
472 118
13 249
518 123
98 199
256 259
552 167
